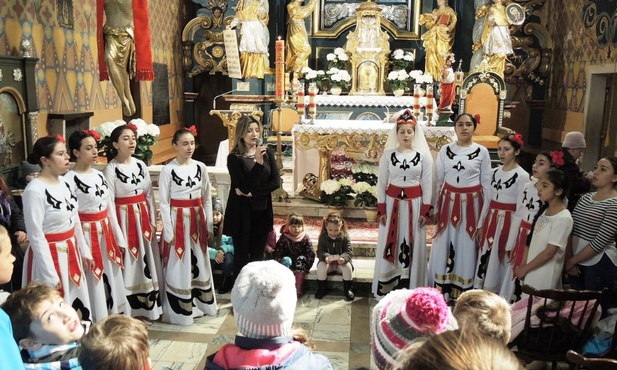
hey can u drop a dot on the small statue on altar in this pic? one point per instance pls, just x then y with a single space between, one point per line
495 42
298 47
439 38
253 16
446 86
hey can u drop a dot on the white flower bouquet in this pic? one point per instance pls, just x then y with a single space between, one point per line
400 59
365 172
335 193
339 59
338 77
146 134
366 194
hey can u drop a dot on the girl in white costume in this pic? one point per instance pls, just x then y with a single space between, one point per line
58 254
100 226
527 206
404 190
131 188
507 182
463 173
186 211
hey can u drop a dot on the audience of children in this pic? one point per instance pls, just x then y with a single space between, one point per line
12 219
334 253
117 342
296 246
47 329
185 203
264 303
221 247
403 316
404 191
483 313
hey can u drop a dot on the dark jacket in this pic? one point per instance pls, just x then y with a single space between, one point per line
259 184
13 223
579 184
327 246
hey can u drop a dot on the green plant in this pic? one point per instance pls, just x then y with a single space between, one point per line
366 195
336 193
364 171
400 59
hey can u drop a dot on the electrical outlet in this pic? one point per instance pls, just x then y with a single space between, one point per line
243 86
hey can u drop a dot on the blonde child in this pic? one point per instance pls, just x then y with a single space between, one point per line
221 247
117 342
296 246
484 313
334 253
10 353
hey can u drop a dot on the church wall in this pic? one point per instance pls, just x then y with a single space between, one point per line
67 72
575 52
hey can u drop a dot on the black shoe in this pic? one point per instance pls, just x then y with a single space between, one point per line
321 289
348 288
226 286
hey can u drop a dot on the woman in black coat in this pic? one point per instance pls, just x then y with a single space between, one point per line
254 176
12 219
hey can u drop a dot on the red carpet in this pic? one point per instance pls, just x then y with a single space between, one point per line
359 231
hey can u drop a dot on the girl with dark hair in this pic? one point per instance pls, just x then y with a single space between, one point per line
594 263
131 189
58 254
507 183
463 172
254 176
186 211
551 229
100 225
12 219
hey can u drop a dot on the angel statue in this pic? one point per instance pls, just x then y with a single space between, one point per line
252 16
495 42
439 38
298 47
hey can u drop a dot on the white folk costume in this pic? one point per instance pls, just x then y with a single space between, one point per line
104 238
186 211
527 206
492 260
133 197
404 191
463 176
57 243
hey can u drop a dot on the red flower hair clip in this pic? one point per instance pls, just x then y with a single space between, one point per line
60 138
94 134
193 129
132 126
517 138
477 117
557 158
406 118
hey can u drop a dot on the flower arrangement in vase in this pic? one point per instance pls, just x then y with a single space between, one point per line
398 81
338 79
338 59
365 171
146 135
313 76
336 193
401 60
366 194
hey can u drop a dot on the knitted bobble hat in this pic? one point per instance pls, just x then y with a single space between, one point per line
405 315
264 300
574 140
29 168
217 205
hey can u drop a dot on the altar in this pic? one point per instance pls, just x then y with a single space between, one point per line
358 107
342 143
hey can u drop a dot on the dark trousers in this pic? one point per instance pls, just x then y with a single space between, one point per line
227 266
249 246
597 277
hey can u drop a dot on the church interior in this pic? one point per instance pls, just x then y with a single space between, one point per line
560 76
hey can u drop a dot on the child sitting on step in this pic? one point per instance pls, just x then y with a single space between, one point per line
295 250
334 253
221 248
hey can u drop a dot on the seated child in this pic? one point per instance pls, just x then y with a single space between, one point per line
334 253
116 342
264 305
484 313
10 353
295 250
46 328
403 316
221 248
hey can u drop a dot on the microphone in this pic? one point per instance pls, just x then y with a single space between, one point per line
219 95
260 142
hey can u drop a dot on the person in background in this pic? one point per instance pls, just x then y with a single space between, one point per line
28 172
572 148
12 219
334 253
117 342
221 247
270 244
11 360
485 313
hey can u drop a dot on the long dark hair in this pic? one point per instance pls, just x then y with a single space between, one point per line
560 181
114 137
43 147
613 162
242 127
74 142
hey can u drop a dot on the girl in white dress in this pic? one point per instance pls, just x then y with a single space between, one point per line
58 254
186 211
404 190
551 229
100 226
527 206
131 188
507 182
463 173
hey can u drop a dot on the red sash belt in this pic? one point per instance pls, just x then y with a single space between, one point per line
113 250
455 215
519 246
399 194
137 206
72 252
197 224
490 226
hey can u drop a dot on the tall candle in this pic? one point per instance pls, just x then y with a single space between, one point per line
300 104
279 76
287 84
312 108
429 100
416 100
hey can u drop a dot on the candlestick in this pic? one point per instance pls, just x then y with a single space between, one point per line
416 100
287 83
312 108
429 100
279 63
300 103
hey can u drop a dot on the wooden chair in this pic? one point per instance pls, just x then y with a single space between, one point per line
289 119
563 321
590 363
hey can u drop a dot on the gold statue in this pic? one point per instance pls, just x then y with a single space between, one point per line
495 41
253 16
298 47
439 38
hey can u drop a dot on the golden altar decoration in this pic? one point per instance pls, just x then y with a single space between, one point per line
369 48
231 116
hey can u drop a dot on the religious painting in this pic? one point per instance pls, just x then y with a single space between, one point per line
515 13
65 14
12 139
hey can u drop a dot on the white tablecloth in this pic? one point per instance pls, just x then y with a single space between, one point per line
221 155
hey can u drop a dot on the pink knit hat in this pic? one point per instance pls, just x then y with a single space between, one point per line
404 315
